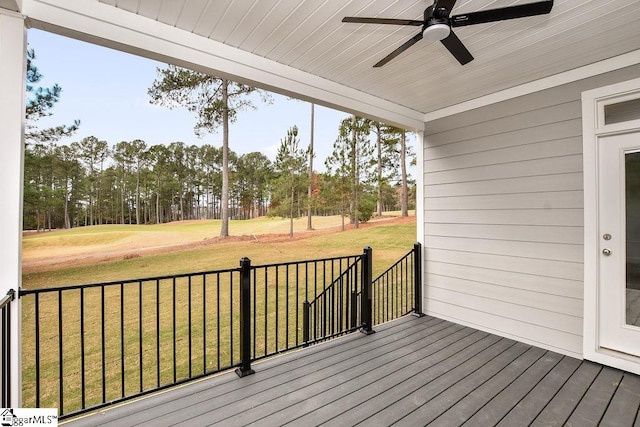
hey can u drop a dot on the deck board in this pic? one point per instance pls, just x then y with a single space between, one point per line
623 409
412 371
569 396
505 401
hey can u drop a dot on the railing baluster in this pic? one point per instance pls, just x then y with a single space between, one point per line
82 355
286 311
103 341
266 311
190 321
254 297
140 333
231 318
157 333
277 309
61 354
297 303
37 340
175 368
122 380
218 320
204 324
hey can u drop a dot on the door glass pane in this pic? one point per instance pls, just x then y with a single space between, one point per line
632 202
622 112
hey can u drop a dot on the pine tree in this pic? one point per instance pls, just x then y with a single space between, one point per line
215 101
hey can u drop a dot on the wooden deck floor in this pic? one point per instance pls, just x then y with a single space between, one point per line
413 371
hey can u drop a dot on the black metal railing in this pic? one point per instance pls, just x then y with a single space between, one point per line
335 310
278 292
5 343
87 346
397 291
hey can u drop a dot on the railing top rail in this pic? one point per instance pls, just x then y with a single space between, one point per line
393 266
307 261
7 298
125 281
173 276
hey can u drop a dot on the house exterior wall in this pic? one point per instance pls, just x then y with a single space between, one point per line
503 219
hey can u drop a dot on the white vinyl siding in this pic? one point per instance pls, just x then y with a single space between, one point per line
504 211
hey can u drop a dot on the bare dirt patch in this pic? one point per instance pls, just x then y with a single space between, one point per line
144 247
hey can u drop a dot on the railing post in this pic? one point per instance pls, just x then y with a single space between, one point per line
366 299
306 324
417 279
5 309
245 318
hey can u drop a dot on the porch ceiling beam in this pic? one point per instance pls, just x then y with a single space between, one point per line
102 24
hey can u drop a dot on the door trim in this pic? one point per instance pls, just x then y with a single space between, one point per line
594 127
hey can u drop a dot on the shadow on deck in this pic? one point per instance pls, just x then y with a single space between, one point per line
413 371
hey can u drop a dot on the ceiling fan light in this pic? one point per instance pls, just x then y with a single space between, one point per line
436 32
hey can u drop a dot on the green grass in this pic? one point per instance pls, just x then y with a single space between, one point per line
113 236
213 301
388 243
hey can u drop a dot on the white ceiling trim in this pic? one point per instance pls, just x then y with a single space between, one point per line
14 5
601 67
122 30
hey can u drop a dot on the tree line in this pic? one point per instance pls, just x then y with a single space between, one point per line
91 182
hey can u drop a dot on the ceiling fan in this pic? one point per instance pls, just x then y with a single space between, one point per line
437 24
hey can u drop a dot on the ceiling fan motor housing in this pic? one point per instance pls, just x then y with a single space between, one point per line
436 29
436 24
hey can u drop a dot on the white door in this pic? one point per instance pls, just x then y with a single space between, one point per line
619 242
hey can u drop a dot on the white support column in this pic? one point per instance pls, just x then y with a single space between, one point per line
420 187
12 105
420 209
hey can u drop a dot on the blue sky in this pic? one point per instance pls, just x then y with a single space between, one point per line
107 91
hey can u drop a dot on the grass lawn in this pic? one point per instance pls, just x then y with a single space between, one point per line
146 323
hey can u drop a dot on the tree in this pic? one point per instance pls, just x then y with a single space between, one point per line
386 159
70 173
39 103
337 184
352 156
40 168
159 156
253 173
290 167
310 171
93 154
215 102
398 138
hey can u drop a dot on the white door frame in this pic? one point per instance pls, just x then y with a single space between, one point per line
594 127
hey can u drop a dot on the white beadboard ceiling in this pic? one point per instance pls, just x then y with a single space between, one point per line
308 35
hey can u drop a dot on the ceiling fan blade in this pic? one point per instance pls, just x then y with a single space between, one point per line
511 12
457 49
382 21
413 40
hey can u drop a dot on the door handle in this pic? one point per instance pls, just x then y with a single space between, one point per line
606 251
